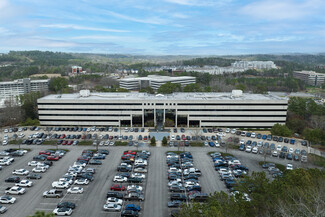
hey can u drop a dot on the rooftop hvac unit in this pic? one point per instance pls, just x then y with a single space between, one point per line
236 93
84 93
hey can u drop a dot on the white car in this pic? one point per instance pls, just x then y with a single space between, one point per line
172 137
291 150
191 184
138 175
32 163
40 164
22 172
25 183
70 181
242 142
114 201
233 131
112 207
4 162
175 182
248 149
106 143
253 135
61 185
75 190
15 190
289 167
278 148
7 199
39 170
120 179
136 187
62 211
217 144
101 143
174 169
21 135
81 182
206 144
140 170
255 150
4 153
5 142
227 130
141 161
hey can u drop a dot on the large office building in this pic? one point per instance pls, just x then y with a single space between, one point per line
254 65
234 109
9 89
310 77
154 81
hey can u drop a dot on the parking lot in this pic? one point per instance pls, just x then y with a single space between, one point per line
94 196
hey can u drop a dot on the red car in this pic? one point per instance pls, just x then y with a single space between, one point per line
70 142
111 137
145 138
130 152
64 142
44 152
53 158
183 137
62 136
117 187
83 136
83 158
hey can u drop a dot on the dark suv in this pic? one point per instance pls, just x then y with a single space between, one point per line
14 179
114 194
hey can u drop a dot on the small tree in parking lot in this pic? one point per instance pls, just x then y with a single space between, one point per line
164 141
153 141
42 214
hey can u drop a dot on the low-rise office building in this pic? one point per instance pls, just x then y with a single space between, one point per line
310 77
154 81
178 109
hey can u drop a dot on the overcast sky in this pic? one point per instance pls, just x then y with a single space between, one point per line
190 27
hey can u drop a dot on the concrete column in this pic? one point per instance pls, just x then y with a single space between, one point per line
188 121
131 121
164 117
142 117
154 117
176 118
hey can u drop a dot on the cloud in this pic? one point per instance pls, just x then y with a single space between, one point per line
151 20
77 27
281 10
191 2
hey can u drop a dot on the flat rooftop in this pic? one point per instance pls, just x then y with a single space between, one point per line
174 96
157 78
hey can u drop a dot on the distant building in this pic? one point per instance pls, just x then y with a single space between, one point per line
254 65
154 81
10 89
310 77
76 69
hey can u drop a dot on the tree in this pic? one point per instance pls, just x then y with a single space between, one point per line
11 114
29 104
192 88
169 123
122 90
42 214
164 141
147 90
58 84
281 130
169 88
153 141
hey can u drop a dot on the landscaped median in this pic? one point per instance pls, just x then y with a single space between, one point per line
316 160
120 143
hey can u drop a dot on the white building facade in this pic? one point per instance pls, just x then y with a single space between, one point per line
10 89
154 81
310 77
180 109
